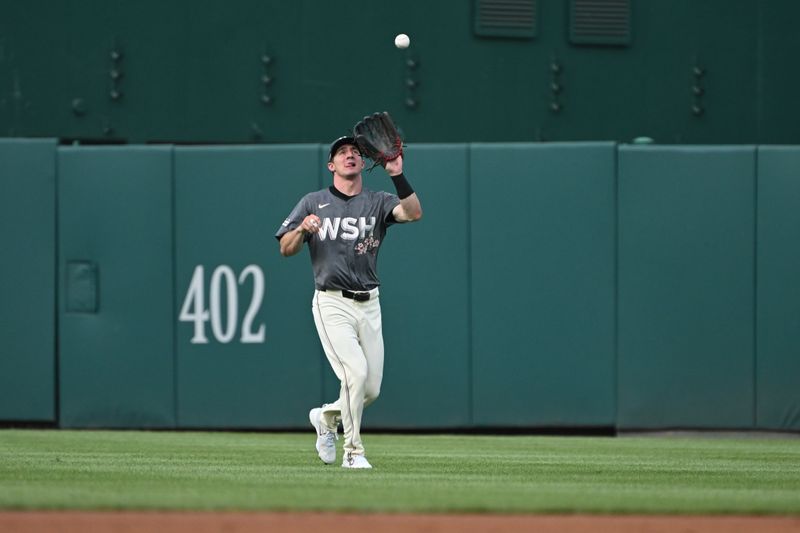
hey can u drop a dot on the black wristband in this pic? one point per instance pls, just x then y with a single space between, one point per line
404 189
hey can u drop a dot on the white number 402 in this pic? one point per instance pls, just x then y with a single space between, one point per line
194 307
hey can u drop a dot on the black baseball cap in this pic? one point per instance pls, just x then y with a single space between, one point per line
338 143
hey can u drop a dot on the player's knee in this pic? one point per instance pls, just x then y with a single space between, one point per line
371 393
356 379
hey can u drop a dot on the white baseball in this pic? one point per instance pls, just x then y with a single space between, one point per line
402 41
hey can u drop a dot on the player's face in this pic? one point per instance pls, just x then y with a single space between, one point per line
347 161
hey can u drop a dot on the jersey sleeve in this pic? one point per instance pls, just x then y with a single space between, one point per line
390 201
295 218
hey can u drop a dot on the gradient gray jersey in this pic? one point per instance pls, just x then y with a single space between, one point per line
344 254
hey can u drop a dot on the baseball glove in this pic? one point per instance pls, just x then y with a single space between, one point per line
378 139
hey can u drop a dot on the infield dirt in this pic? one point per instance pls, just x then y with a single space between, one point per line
194 522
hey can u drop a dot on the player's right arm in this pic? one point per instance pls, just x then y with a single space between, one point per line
291 242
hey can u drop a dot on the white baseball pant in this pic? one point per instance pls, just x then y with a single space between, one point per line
352 338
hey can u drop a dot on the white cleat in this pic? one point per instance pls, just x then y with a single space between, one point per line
355 461
326 439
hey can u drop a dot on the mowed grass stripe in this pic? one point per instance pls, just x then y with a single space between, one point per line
431 473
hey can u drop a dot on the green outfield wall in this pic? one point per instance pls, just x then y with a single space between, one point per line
115 253
567 285
778 295
686 272
542 259
261 365
28 280
425 299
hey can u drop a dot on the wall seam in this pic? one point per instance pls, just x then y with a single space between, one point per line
615 303
56 296
173 218
755 287
470 288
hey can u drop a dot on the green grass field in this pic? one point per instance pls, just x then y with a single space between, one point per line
499 474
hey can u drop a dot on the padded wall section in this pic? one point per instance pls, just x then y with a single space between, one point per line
27 280
778 355
256 362
116 285
160 282
686 287
424 270
542 253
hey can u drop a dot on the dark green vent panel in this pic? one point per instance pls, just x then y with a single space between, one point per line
505 18
601 22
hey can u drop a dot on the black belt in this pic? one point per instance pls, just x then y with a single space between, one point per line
357 296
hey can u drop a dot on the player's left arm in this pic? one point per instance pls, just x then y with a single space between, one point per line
409 209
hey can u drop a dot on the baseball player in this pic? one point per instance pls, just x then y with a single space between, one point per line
344 226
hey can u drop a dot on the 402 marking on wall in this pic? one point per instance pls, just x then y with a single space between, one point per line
194 305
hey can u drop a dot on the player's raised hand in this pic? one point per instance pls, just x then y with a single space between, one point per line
395 166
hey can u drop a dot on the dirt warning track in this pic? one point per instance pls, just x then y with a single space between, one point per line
236 522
